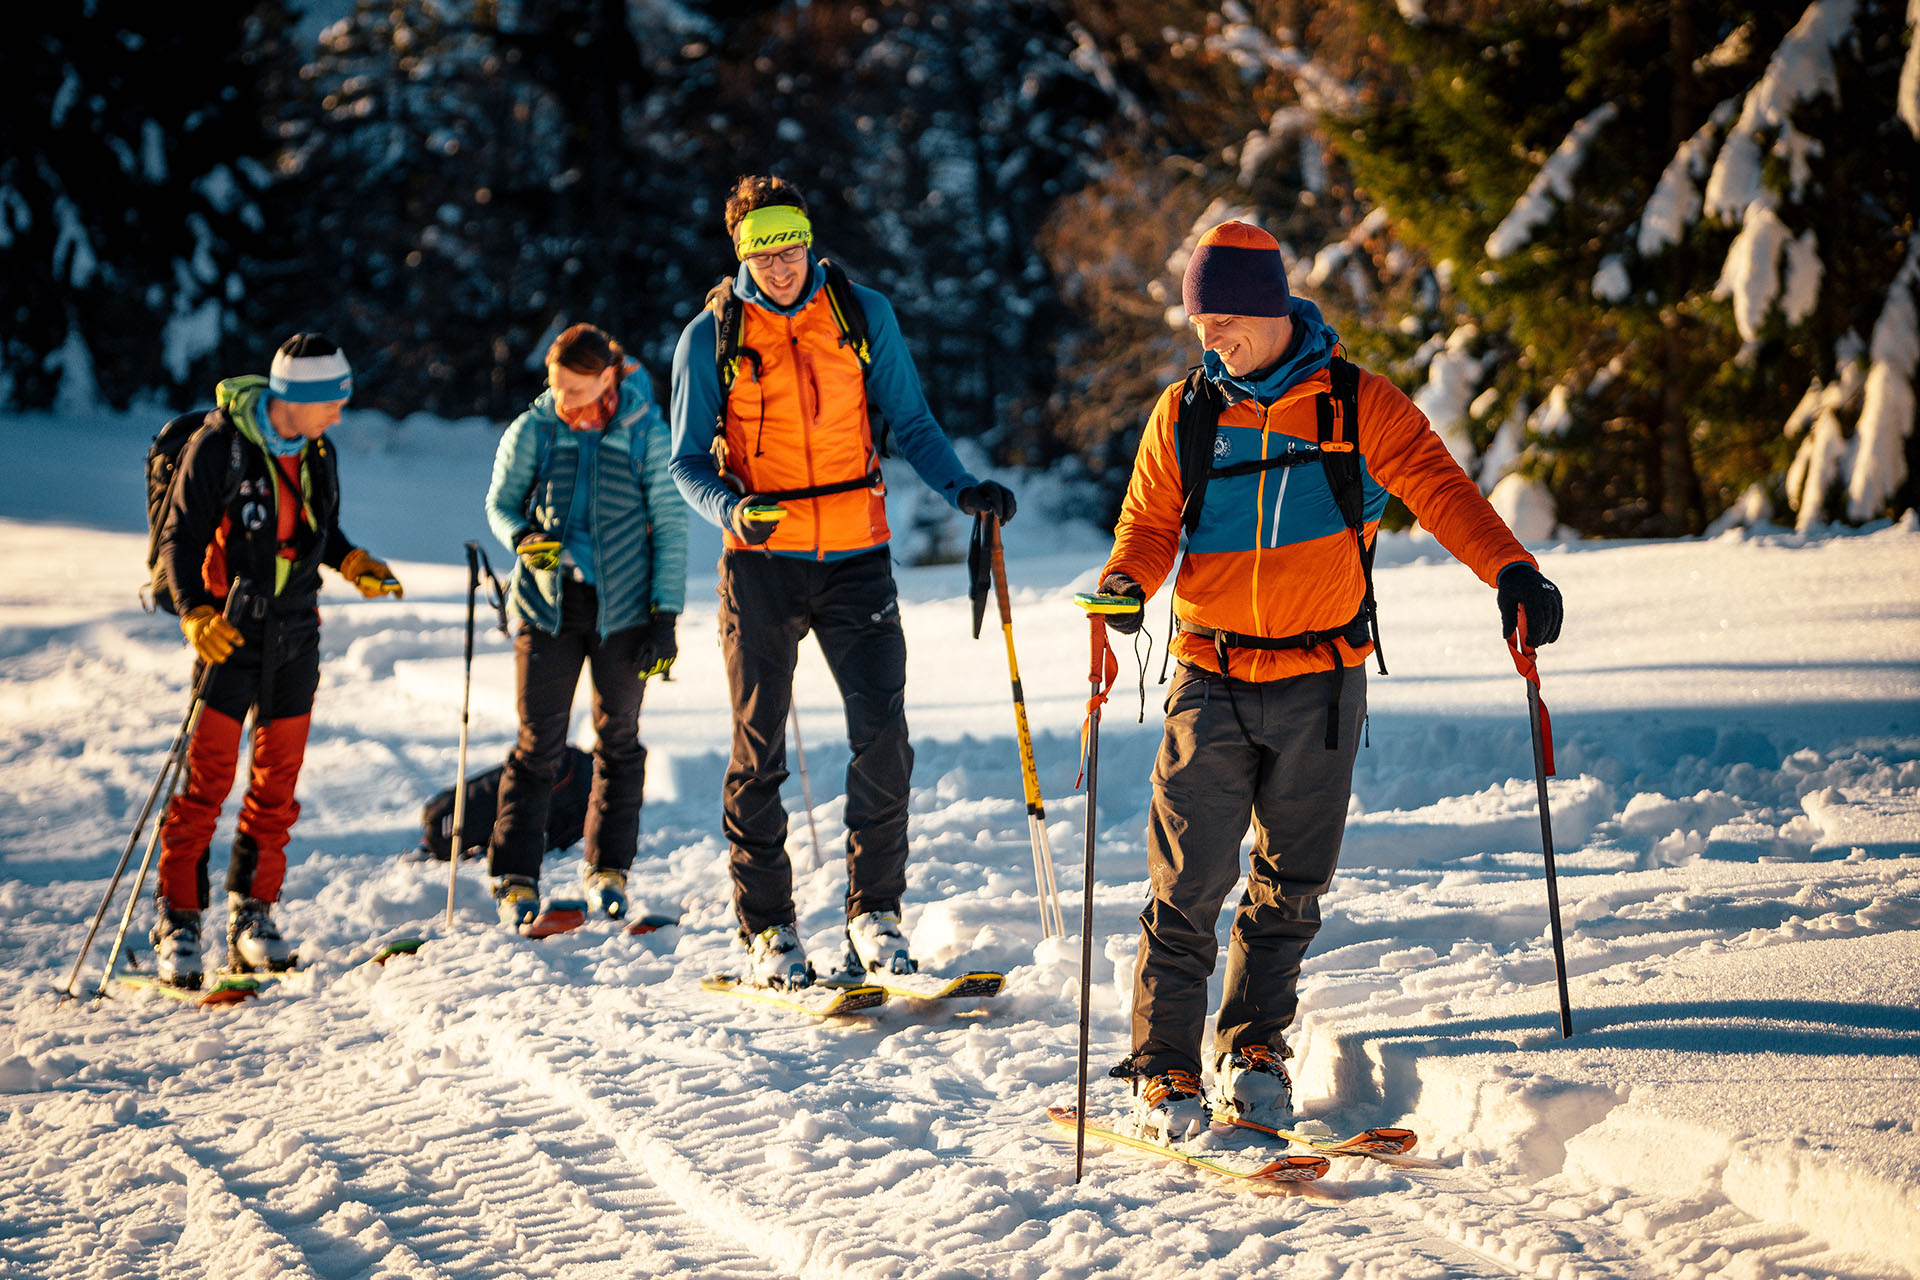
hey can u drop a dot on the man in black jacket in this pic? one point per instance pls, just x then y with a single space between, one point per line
256 496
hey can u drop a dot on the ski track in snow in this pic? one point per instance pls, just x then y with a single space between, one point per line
1739 850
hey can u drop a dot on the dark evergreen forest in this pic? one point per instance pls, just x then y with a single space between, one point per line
1659 260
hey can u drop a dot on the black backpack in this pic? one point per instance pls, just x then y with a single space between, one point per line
1339 421
163 467
566 815
728 352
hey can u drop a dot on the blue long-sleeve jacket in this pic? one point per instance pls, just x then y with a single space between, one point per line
636 522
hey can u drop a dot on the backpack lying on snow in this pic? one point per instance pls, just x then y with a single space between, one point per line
566 816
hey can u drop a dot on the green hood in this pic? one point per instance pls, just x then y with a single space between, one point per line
244 399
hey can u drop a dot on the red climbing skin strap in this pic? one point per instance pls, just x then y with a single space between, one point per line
1102 670
1526 662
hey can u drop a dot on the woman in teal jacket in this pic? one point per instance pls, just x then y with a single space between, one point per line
581 494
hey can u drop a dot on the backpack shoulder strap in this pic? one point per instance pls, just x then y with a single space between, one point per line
1196 423
728 312
848 314
1339 421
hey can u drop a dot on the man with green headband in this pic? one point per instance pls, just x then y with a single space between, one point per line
775 389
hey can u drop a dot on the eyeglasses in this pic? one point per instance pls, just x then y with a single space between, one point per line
789 257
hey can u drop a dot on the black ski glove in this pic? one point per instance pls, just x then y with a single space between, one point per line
660 646
987 499
1119 584
1522 586
751 532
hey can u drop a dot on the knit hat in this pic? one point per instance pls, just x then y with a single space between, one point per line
309 369
1236 271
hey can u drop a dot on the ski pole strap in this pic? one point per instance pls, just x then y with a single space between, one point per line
496 594
1102 670
1226 641
979 570
871 480
1526 662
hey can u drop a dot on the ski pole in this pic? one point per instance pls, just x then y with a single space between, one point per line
986 533
1102 668
1526 661
806 787
458 845
239 601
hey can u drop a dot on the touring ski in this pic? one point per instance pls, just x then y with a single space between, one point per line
1389 1145
822 1000
557 915
1262 1167
977 985
223 991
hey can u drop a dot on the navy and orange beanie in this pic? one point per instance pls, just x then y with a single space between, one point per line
1236 271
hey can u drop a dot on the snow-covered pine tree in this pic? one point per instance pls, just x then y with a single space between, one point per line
1668 225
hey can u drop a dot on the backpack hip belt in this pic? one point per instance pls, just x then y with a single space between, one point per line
1354 633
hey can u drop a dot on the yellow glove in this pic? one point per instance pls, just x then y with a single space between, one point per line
538 550
210 634
371 576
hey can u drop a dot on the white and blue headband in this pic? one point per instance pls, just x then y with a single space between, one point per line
310 379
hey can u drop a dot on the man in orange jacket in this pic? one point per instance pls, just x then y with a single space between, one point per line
781 455
1273 611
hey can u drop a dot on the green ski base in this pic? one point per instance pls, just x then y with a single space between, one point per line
1280 1171
820 1000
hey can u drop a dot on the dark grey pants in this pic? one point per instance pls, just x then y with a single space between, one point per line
1211 780
767 603
546 673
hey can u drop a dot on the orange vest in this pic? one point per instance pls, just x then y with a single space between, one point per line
797 419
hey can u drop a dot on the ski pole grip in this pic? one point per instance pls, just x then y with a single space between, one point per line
240 599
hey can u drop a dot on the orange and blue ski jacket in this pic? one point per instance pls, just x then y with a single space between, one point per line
1271 555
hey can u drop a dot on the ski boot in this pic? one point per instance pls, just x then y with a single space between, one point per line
517 899
253 940
1251 1085
876 945
775 958
1169 1108
606 893
176 946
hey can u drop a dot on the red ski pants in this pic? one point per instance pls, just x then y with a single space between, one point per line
267 812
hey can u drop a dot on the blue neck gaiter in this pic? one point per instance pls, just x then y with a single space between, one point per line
277 445
1312 346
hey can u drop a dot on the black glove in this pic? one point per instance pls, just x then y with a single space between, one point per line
1522 586
1119 584
751 532
660 647
987 498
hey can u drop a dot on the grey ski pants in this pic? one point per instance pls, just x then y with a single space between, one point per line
1217 773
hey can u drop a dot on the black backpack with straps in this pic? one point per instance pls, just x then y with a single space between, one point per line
729 318
163 468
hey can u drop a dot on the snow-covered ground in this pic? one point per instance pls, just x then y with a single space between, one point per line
1738 725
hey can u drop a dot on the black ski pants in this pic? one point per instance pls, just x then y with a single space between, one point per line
1238 752
767 603
546 673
